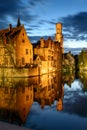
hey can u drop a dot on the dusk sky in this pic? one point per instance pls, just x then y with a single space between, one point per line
40 16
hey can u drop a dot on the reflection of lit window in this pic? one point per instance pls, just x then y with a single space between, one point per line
27 97
6 90
6 51
48 87
11 90
31 88
11 61
23 90
5 61
31 96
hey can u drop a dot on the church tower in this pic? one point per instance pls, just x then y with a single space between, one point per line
59 36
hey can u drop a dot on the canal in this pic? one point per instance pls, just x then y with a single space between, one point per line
48 102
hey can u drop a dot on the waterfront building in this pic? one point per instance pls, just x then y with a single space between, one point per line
16 51
51 50
15 44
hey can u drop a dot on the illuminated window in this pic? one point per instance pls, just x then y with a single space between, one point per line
23 61
26 51
6 90
23 41
23 90
48 57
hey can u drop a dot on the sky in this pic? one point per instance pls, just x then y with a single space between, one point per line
40 16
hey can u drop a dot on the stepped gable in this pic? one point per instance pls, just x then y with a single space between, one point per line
49 40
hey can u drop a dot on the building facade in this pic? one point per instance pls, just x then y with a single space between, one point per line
16 45
51 50
16 51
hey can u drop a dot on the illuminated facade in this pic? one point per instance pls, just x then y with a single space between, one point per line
20 50
49 89
16 99
51 50
59 36
16 50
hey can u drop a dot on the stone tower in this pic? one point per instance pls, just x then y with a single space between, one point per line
59 36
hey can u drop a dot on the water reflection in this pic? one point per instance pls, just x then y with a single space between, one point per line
50 88
16 98
18 94
56 90
83 80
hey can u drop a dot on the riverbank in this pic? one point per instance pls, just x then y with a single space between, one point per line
7 126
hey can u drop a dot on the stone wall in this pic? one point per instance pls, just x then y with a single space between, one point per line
23 72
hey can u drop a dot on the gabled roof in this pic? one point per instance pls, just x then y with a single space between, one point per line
10 32
46 42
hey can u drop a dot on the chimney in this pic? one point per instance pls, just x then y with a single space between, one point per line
10 27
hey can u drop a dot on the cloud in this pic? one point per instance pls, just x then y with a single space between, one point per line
76 104
75 26
35 2
34 39
74 51
9 11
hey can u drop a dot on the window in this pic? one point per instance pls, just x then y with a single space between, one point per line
26 51
23 90
23 61
5 61
48 57
6 90
6 51
23 40
27 98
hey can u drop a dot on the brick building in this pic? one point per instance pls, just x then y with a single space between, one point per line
51 50
16 46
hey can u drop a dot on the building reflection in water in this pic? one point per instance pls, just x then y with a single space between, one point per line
18 94
49 89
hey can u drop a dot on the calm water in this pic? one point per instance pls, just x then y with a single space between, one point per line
49 102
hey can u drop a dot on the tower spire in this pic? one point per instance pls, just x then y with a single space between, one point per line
18 22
